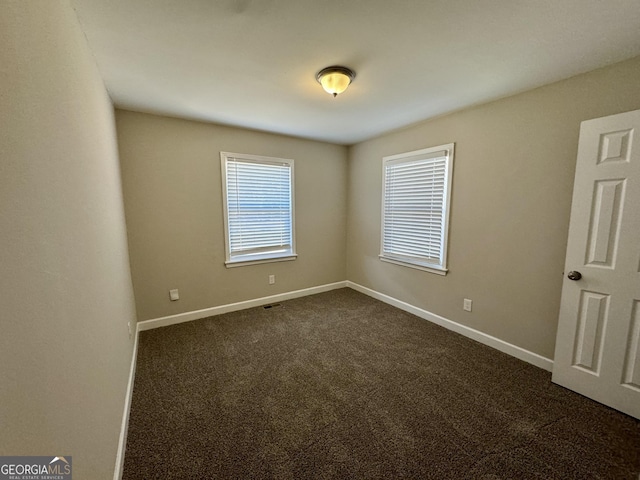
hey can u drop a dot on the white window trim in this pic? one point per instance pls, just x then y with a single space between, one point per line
439 269
255 259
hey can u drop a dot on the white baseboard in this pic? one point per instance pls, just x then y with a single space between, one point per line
505 347
122 442
233 307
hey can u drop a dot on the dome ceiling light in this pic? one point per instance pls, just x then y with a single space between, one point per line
335 79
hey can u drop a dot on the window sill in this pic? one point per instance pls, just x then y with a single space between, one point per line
256 260
436 270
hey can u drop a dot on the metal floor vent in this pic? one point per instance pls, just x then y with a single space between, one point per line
273 305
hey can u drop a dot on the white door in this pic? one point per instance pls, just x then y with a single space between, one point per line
598 342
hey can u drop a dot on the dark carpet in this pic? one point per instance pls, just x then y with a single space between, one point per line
339 385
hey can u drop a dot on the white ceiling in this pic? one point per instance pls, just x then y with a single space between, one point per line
252 63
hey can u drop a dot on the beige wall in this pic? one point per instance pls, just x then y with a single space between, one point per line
65 286
512 185
173 201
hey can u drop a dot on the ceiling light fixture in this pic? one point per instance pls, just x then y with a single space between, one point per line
335 79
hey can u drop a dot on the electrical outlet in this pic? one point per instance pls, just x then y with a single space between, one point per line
272 279
466 305
129 327
174 295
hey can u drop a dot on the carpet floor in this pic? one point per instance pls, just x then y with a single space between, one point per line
340 385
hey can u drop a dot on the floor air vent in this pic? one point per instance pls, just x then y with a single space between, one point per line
273 305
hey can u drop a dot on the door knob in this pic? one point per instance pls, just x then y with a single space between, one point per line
573 275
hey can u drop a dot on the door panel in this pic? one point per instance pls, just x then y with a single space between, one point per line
598 342
632 362
592 320
605 221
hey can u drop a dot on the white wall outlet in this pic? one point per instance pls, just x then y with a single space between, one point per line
174 295
466 305
129 327
272 279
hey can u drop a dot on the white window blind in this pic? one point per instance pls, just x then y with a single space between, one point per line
258 198
415 208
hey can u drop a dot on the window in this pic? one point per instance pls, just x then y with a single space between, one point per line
416 194
258 209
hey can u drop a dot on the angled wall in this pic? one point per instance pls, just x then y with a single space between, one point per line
65 286
511 199
173 198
